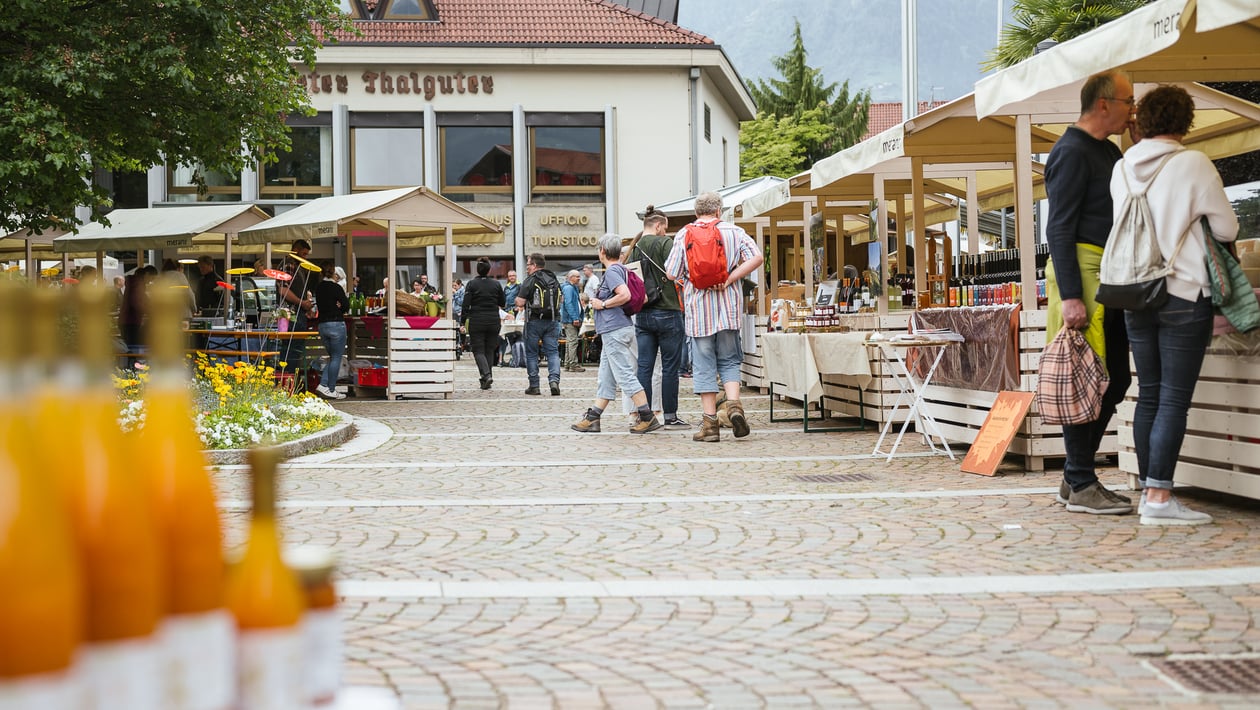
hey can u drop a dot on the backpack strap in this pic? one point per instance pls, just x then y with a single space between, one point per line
1142 194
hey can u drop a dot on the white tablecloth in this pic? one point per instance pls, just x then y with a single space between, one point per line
796 360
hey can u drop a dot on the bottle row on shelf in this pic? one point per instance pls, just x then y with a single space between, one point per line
114 590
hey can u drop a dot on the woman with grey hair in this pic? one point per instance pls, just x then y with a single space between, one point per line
571 317
618 364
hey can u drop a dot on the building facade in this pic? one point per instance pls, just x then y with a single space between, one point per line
556 119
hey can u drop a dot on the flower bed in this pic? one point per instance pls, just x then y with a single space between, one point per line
237 405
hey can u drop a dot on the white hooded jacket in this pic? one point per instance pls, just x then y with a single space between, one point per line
1186 189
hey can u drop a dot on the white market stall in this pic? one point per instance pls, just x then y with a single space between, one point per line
421 361
1170 41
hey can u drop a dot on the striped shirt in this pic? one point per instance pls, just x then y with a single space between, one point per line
709 311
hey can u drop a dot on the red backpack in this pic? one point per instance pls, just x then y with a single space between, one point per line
706 255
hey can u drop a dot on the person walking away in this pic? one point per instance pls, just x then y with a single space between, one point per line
292 293
333 304
616 363
1077 176
1169 343
711 257
539 298
134 311
659 327
483 299
571 316
209 292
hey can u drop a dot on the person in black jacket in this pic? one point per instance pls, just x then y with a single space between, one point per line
332 303
483 297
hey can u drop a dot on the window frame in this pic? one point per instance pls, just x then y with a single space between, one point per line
299 192
565 120
472 120
382 120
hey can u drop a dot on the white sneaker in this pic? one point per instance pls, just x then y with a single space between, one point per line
1173 514
326 393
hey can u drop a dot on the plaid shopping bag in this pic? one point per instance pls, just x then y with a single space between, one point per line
1071 380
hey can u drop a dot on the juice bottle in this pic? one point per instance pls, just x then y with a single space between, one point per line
321 624
198 634
54 377
41 597
267 602
114 530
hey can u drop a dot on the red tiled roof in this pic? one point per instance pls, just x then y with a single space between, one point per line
531 22
886 114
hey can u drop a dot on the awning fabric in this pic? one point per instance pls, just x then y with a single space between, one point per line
420 216
1154 43
733 197
160 228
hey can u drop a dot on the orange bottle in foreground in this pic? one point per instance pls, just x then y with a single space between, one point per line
267 602
114 530
198 634
41 594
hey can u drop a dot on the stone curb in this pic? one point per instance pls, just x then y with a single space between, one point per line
335 435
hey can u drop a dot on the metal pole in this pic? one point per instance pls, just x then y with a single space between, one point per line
909 60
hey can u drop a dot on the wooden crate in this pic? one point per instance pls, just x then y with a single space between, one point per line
421 362
753 368
878 398
1221 450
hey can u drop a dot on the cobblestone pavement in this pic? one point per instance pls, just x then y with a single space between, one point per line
491 557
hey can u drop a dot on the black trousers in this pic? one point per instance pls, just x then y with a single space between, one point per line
483 339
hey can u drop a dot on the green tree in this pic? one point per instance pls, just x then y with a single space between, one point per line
125 84
775 146
1035 21
801 89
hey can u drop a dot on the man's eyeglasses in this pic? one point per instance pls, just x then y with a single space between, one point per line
1129 101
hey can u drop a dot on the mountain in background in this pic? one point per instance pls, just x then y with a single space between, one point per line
857 40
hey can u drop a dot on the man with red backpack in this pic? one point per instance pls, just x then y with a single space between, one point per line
712 257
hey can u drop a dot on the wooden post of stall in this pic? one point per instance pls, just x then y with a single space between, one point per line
807 245
881 233
1024 211
923 244
973 214
763 307
391 249
775 266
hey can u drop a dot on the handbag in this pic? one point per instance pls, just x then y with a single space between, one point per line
1133 269
1231 290
1071 380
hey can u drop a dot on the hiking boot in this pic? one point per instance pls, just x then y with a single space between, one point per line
1065 491
575 368
1173 514
642 427
1097 500
532 390
675 423
709 431
588 423
555 389
739 423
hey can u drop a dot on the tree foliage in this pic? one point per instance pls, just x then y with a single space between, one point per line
1035 21
125 84
777 146
823 117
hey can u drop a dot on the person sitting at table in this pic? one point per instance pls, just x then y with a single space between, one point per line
292 294
332 304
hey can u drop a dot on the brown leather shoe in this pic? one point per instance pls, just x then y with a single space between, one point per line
709 431
738 422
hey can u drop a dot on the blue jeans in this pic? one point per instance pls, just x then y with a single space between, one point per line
616 365
548 331
714 356
1168 349
333 336
1081 441
659 329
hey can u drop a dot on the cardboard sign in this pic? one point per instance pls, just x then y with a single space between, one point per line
995 435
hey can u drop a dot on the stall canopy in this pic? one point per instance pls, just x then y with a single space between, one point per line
420 218
161 228
733 198
1156 42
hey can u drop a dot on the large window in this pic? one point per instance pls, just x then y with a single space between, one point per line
566 157
305 171
476 157
387 150
182 184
